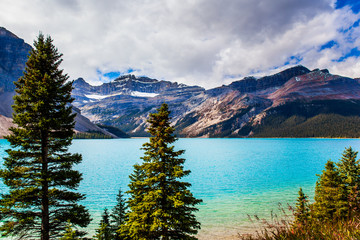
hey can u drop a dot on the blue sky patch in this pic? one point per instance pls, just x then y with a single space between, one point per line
130 70
112 75
329 44
355 52
353 4
293 60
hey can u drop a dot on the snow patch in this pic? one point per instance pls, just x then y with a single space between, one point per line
139 81
143 94
96 96
132 93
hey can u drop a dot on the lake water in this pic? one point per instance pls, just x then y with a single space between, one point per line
234 177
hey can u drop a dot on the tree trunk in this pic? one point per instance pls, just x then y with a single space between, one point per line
45 226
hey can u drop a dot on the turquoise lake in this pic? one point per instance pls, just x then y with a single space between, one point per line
234 177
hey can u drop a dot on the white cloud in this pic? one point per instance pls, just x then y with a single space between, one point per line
199 42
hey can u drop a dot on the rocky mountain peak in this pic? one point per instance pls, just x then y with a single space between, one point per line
80 83
133 78
5 33
130 85
251 84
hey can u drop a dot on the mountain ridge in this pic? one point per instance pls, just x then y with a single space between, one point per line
234 110
289 103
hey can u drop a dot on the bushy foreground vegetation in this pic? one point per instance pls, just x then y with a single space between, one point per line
335 213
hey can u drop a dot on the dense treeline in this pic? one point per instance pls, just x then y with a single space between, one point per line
91 135
327 118
114 130
322 125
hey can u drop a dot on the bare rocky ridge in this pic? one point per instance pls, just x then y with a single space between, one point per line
5 124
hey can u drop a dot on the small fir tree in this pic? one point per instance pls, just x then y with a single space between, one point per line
118 215
38 170
302 211
349 170
330 195
70 233
104 232
136 192
161 206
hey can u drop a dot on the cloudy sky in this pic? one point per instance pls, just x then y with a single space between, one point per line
202 42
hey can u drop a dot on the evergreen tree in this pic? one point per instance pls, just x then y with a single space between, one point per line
70 233
302 211
136 192
161 206
118 215
38 170
330 195
104 230
349 170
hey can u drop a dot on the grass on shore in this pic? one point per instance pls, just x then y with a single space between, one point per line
285 229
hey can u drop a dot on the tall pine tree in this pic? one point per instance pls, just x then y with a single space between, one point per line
70 233
118 215
349 170
161 205
104 232
137 192
42 185
330 195
302 211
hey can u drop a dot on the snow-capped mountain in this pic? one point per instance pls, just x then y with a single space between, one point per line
128 86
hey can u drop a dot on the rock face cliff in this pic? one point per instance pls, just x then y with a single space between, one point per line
13 56
244 108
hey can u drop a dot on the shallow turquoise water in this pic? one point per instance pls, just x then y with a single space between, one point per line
234 177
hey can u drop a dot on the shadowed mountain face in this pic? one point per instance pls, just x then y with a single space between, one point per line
13 56
295 102
241 109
